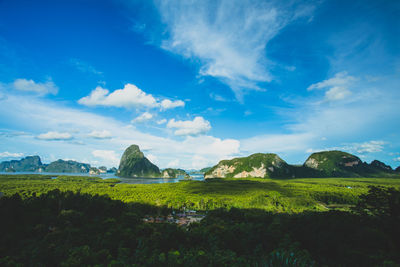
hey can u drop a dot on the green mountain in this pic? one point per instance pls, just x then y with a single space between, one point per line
321 164
204 170
256 165
27 164
134 164
174 173
341 164
67 166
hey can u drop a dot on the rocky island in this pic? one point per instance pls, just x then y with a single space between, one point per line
174 173
322 164
134 164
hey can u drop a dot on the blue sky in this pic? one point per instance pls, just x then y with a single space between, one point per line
194 82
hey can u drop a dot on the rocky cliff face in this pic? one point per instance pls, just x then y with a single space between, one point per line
67 166
134 164
27 164
257 165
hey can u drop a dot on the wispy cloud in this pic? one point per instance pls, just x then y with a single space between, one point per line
100 134
336 87
228 37
7 154
84 67
373 146
55 136
143 117
195 127
39 88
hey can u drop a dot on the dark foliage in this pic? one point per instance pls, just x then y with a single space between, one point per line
74 229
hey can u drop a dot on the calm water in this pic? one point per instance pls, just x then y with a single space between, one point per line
138 180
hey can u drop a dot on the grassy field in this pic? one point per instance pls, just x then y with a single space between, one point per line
292 196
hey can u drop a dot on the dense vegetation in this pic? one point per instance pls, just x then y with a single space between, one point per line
294 195
78 221
76 229
174 173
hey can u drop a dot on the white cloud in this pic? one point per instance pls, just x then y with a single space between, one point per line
108 155
129 96
397 159
167 104
366 147
337 93
340 79
40 88
195 127
336 87
162 121
55 136
7 154
143 117
100 134
229 37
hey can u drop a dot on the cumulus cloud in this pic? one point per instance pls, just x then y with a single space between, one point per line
228 37
143 117
195 127
336 87
55 136
128 97
109 156
100 134
167 104
39 88
7 154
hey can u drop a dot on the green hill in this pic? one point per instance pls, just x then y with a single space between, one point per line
321 164
174 173
134 164
67 166
341 164
27 164
256 165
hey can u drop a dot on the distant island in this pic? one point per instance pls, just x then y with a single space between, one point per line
34 164
321 164
134 164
